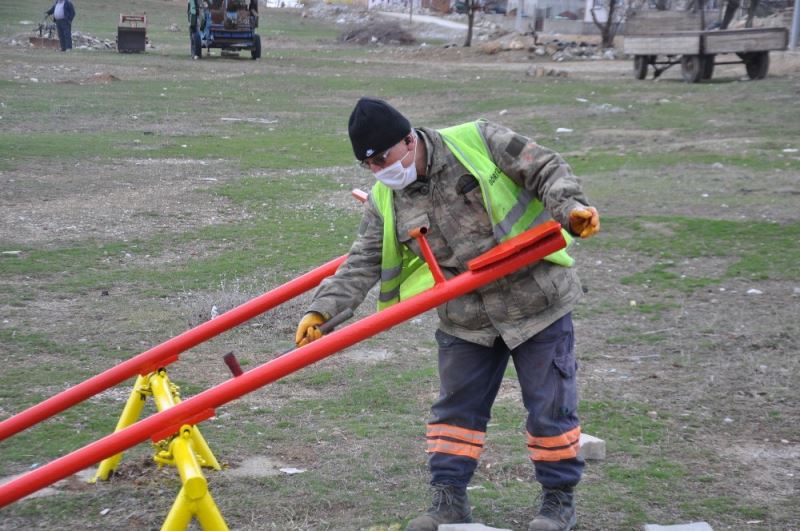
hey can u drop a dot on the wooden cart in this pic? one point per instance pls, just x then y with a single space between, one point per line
696 51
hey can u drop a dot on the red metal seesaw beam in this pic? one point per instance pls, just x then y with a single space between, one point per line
167 352
506 258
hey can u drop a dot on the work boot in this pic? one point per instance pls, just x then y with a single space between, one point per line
557 512
450 506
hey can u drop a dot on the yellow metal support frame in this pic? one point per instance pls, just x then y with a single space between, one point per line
194 500
187 451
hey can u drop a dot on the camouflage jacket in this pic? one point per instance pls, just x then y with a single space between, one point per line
448 201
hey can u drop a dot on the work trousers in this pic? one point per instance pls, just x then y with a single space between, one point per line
470 376
64 29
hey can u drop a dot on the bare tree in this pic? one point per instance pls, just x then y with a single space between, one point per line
608 28
471 6
730 11
751 13
732 6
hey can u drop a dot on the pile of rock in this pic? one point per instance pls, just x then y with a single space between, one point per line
79 40
560 51
540 71
383 32
484 30
20 39
555 49
84 42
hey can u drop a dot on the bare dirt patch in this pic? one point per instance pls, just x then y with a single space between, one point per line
256 467
123 199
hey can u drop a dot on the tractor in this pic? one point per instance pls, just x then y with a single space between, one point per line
229 25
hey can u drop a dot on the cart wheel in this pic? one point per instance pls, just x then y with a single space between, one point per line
640 63
255 53
692 67
757 64
197 46
708 66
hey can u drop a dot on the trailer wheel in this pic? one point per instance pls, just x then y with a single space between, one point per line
757 64
708 66
255 53
640 63
692 67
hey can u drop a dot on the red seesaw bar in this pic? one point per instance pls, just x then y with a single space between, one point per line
506 258
167 352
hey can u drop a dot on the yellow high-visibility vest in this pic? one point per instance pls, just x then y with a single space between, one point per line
512 210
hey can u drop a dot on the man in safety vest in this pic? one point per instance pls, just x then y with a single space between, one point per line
473 186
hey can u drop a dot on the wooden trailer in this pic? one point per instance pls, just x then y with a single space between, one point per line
696 51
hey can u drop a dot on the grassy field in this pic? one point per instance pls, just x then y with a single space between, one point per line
139 191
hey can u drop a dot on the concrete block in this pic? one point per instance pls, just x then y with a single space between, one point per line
592 448
468 527
694 526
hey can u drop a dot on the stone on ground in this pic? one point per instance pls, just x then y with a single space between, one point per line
694 526
469 527
592 448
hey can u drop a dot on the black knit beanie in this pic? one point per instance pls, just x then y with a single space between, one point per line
375 126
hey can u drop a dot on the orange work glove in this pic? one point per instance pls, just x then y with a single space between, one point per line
584 222
307 330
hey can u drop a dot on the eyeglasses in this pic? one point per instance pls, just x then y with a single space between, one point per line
378 160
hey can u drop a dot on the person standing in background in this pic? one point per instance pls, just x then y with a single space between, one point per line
63 12
192 12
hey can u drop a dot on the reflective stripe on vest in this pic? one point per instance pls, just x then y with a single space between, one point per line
403 274
512 210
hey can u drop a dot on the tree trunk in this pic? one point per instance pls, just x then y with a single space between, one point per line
751 12
607 28
608 31
730 12
470 21
702 5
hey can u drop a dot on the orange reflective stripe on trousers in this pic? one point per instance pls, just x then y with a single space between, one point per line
555 448
454 440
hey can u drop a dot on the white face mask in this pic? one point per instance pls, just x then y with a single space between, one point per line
398 176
